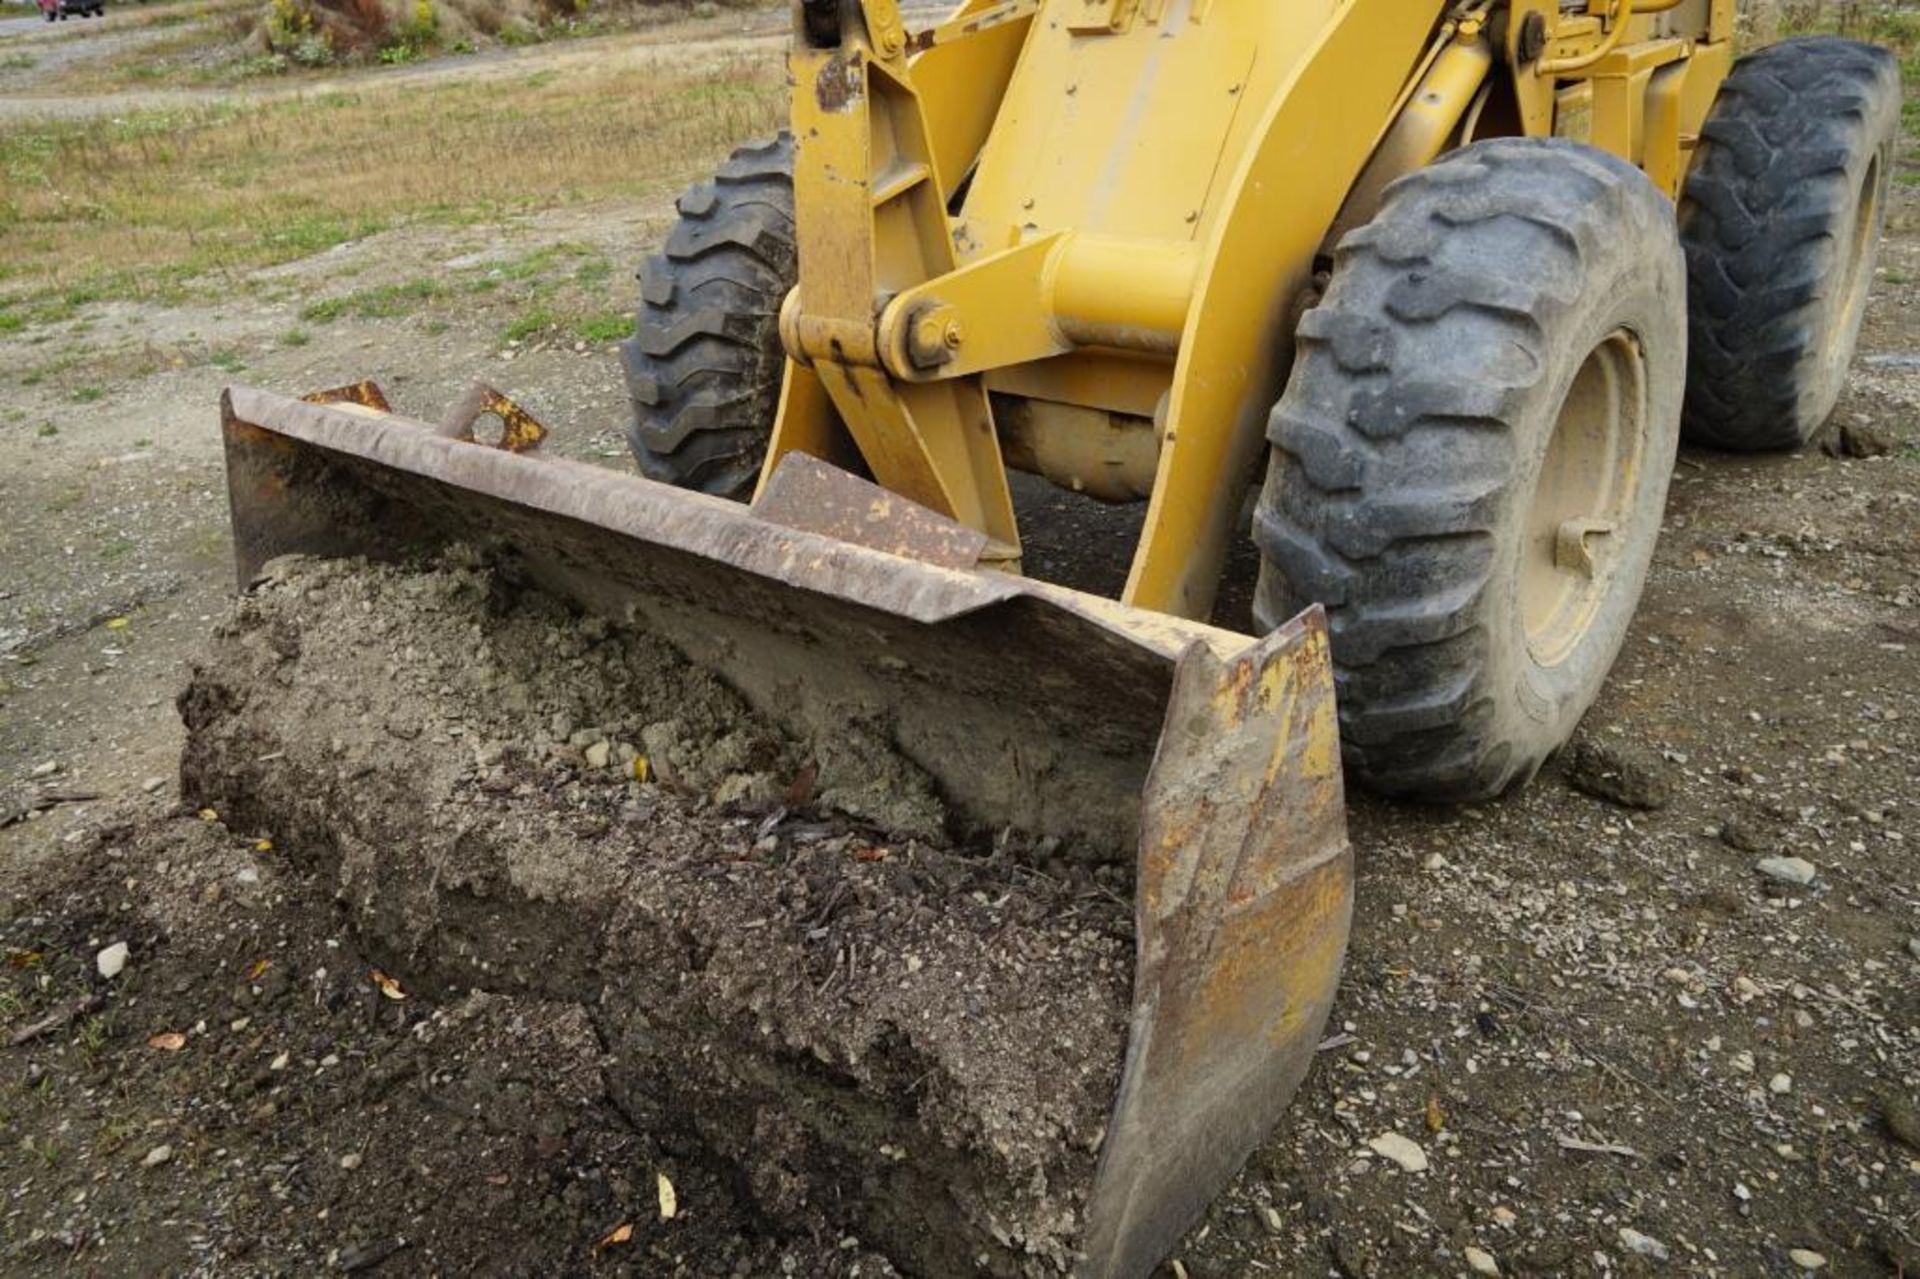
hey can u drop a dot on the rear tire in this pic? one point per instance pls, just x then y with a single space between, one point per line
1500 356
704 364
1781 217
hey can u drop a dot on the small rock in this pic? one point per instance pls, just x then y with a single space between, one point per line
47 769
1435 861
1902 1121
153 784
1391 1145
1645 1245
599 753
350 1161
1620 775
157 1156
1780 1085
1481 1262
112 961
1504 1216
280 1062
1913 948
1858 439
1807 1259
1786 870
1742 837
1742 1062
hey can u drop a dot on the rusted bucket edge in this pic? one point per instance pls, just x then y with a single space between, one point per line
697 524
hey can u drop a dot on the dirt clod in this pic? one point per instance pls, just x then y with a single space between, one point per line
1619 774
1858 440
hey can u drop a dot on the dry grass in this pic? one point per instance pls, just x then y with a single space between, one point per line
160 203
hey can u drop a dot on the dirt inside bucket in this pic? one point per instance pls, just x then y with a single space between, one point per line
666 937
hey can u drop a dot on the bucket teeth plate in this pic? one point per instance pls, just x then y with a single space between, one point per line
1207 759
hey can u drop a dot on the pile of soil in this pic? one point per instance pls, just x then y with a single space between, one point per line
639 934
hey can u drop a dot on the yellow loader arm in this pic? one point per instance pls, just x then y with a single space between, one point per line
1106 214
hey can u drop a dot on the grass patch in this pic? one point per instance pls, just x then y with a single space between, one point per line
382 302
608 326
529 323
89 394
167 204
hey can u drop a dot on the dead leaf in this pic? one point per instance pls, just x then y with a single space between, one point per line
1436 1117
262 845
496 1179
641 769
168 1041
619 1234
801 789
259 966
869 854
23 958
388 986
208 815
669 1202
117 623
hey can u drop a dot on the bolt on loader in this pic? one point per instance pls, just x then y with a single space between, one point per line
1439 287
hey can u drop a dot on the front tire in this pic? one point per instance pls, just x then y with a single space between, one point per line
703 367
1471 457
1781 219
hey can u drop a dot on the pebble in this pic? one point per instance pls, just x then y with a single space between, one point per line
1505 1216
1645 1245
1913 948
1406 1153
1781 1084
112 961
47 769
157 1156
1481 1262
1807 1259
599 753
153 784
350 1161
1435 862
1787 870
280 1062
1742 1062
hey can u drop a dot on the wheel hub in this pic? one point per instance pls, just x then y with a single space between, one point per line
1581 498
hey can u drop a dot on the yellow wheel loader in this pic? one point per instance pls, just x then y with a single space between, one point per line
1440 286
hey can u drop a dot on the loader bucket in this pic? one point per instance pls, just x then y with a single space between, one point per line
1204 759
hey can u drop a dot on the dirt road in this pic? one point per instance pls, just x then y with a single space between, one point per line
1621 1045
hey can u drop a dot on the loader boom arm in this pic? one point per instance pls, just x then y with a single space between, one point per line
1117 206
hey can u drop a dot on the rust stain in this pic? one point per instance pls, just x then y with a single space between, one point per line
366 393
840 83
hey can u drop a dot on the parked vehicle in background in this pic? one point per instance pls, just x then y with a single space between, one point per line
62 9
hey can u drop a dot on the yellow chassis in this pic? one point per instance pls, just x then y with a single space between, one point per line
1102 217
